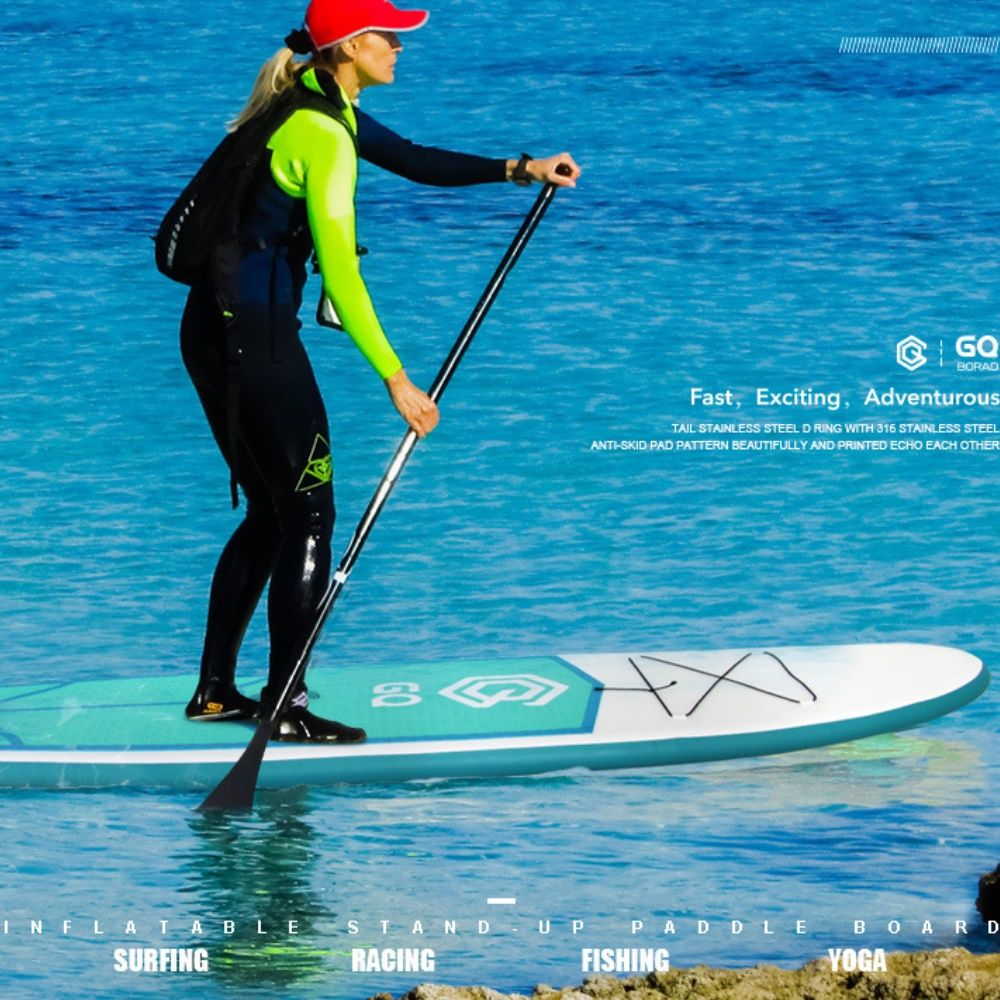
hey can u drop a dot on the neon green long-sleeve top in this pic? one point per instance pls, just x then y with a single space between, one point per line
314 157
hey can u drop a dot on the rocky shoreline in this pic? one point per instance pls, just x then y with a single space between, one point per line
950 974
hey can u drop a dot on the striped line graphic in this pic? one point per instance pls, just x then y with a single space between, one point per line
982 45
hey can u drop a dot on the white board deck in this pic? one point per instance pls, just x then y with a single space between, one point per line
485 718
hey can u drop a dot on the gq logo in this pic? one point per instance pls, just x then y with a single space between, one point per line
910 353
981 347
485 692
396 694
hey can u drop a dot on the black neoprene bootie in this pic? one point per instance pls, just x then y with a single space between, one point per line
298 725
216 701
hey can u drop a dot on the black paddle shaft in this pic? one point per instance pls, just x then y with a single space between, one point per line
236 790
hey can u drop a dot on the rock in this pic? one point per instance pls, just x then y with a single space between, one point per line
988 901
950 974
432 991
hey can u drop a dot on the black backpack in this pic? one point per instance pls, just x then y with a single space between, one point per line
199 235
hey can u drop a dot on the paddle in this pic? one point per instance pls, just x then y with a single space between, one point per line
236 790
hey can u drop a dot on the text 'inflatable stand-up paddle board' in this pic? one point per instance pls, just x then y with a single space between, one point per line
486 718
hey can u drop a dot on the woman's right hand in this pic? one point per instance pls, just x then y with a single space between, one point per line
414 405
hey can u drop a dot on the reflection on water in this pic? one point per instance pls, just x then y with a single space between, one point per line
874 773
257 871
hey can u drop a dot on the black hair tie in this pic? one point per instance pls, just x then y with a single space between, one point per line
299 42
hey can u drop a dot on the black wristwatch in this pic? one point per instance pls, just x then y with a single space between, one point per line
520 175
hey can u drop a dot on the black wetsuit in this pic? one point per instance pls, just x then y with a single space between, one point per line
279 447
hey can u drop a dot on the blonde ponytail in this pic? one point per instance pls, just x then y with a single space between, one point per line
279 74
276 76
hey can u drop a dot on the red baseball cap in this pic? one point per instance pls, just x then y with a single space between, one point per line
333 21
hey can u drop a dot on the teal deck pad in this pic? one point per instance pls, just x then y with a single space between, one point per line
395 702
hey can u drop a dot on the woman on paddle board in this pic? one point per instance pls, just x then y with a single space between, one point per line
246 360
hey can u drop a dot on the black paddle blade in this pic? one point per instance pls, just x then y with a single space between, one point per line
235 792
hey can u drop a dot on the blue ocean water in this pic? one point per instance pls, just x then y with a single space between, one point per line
757 211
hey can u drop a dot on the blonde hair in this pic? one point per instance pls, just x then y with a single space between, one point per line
276 76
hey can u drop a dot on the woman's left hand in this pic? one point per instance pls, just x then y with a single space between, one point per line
544 170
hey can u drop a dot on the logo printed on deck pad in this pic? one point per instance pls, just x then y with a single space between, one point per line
485 692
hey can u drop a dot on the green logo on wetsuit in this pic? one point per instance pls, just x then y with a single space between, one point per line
319 468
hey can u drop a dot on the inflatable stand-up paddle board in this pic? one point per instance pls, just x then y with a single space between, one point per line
486 718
